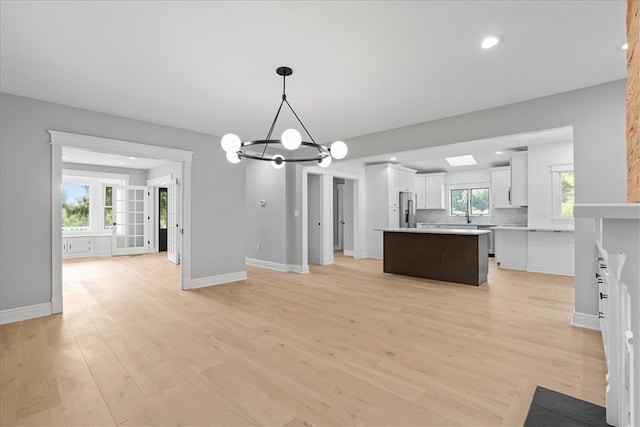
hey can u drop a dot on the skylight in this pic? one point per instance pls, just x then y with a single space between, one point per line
467 160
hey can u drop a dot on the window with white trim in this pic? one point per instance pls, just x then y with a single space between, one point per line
469 198
87 202
563 191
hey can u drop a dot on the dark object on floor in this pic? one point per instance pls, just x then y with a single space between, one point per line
553 409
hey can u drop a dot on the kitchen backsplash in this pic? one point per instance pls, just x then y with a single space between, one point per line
516 216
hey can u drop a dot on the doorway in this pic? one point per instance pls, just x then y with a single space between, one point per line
314 212
59 140
162 219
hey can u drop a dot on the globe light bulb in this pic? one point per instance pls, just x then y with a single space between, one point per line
231 142
233 157
291 139
339 150
325 162
277 161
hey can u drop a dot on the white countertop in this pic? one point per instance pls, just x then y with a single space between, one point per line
554 229
469 232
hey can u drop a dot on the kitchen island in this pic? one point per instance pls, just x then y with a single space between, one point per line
451 255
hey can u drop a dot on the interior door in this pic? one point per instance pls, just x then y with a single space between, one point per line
129 232
173 222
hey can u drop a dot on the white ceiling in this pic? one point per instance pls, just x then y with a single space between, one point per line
86 157
359 67
484 151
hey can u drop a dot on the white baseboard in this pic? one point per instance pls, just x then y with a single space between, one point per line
267 264
221 279
587 321
545 269
56 305
301 269
11 315
348 252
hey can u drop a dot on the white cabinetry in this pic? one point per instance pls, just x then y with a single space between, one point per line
501 187
511 247
399 179
384 183
430 190
76 246
519 178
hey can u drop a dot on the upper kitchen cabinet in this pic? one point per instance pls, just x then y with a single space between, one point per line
501 187
519 177
430 190
398 179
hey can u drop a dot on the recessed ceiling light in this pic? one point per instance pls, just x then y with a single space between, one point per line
132 158
499 152
121 163
491 41
625 46
393 159
461 161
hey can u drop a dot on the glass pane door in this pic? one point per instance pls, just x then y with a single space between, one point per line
129 220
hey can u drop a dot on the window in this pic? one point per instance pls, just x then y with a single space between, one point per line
108 207
87 201
563 191
76 202
473 199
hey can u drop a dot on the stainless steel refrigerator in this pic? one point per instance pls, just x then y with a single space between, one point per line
407 209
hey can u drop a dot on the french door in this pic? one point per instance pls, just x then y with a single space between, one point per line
129 220
173 222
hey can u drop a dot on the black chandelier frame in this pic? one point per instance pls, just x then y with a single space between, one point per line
323 152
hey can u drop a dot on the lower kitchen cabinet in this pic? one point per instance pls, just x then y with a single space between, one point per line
511 248
551 252
537 250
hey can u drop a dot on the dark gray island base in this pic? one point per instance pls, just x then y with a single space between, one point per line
449 255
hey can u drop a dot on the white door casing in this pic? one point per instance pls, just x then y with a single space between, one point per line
65 139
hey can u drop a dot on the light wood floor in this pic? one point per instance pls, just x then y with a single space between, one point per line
344 345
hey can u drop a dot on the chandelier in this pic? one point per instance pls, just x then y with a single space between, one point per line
290 139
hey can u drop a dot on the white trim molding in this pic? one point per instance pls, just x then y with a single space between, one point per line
584 320
18 314
59 140
204 282
300 269
266 264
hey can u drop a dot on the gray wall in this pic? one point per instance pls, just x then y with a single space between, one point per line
597 115
170 168
218 219
266 225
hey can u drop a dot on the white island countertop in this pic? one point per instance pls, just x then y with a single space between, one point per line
469 232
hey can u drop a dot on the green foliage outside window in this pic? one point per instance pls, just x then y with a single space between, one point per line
75 205
163 209
108 207
477 204
459 203
568 197
479 201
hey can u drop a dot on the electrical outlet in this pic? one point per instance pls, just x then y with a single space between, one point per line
258 246
541 214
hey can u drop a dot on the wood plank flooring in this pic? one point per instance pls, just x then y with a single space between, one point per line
346 345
